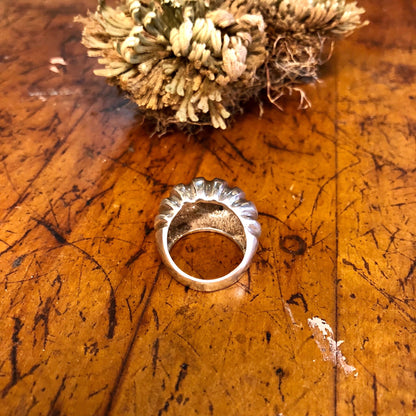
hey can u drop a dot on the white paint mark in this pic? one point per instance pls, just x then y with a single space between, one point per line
292 319
57 60
53 68
55 63
324 338
43 95
289 312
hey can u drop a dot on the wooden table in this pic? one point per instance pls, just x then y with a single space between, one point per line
92 323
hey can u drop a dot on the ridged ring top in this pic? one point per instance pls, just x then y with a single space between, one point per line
216 190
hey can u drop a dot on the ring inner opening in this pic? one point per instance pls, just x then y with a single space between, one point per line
206 255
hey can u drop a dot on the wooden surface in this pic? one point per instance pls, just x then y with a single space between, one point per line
92 324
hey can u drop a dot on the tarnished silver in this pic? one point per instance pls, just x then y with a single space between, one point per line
207 206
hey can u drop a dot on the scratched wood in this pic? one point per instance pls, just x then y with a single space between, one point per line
92 324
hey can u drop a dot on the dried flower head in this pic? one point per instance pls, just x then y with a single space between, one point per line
194 61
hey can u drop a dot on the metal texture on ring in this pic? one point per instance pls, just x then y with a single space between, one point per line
207 206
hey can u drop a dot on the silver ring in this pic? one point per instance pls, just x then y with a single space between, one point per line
207 206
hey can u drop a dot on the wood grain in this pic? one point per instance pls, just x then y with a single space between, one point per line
92 323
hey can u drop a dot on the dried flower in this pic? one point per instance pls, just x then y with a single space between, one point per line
194 61
298 32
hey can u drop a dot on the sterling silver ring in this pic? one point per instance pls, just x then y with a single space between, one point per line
207 206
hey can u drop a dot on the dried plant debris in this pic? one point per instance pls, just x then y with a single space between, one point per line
194 62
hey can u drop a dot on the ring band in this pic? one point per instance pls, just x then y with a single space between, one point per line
207 206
